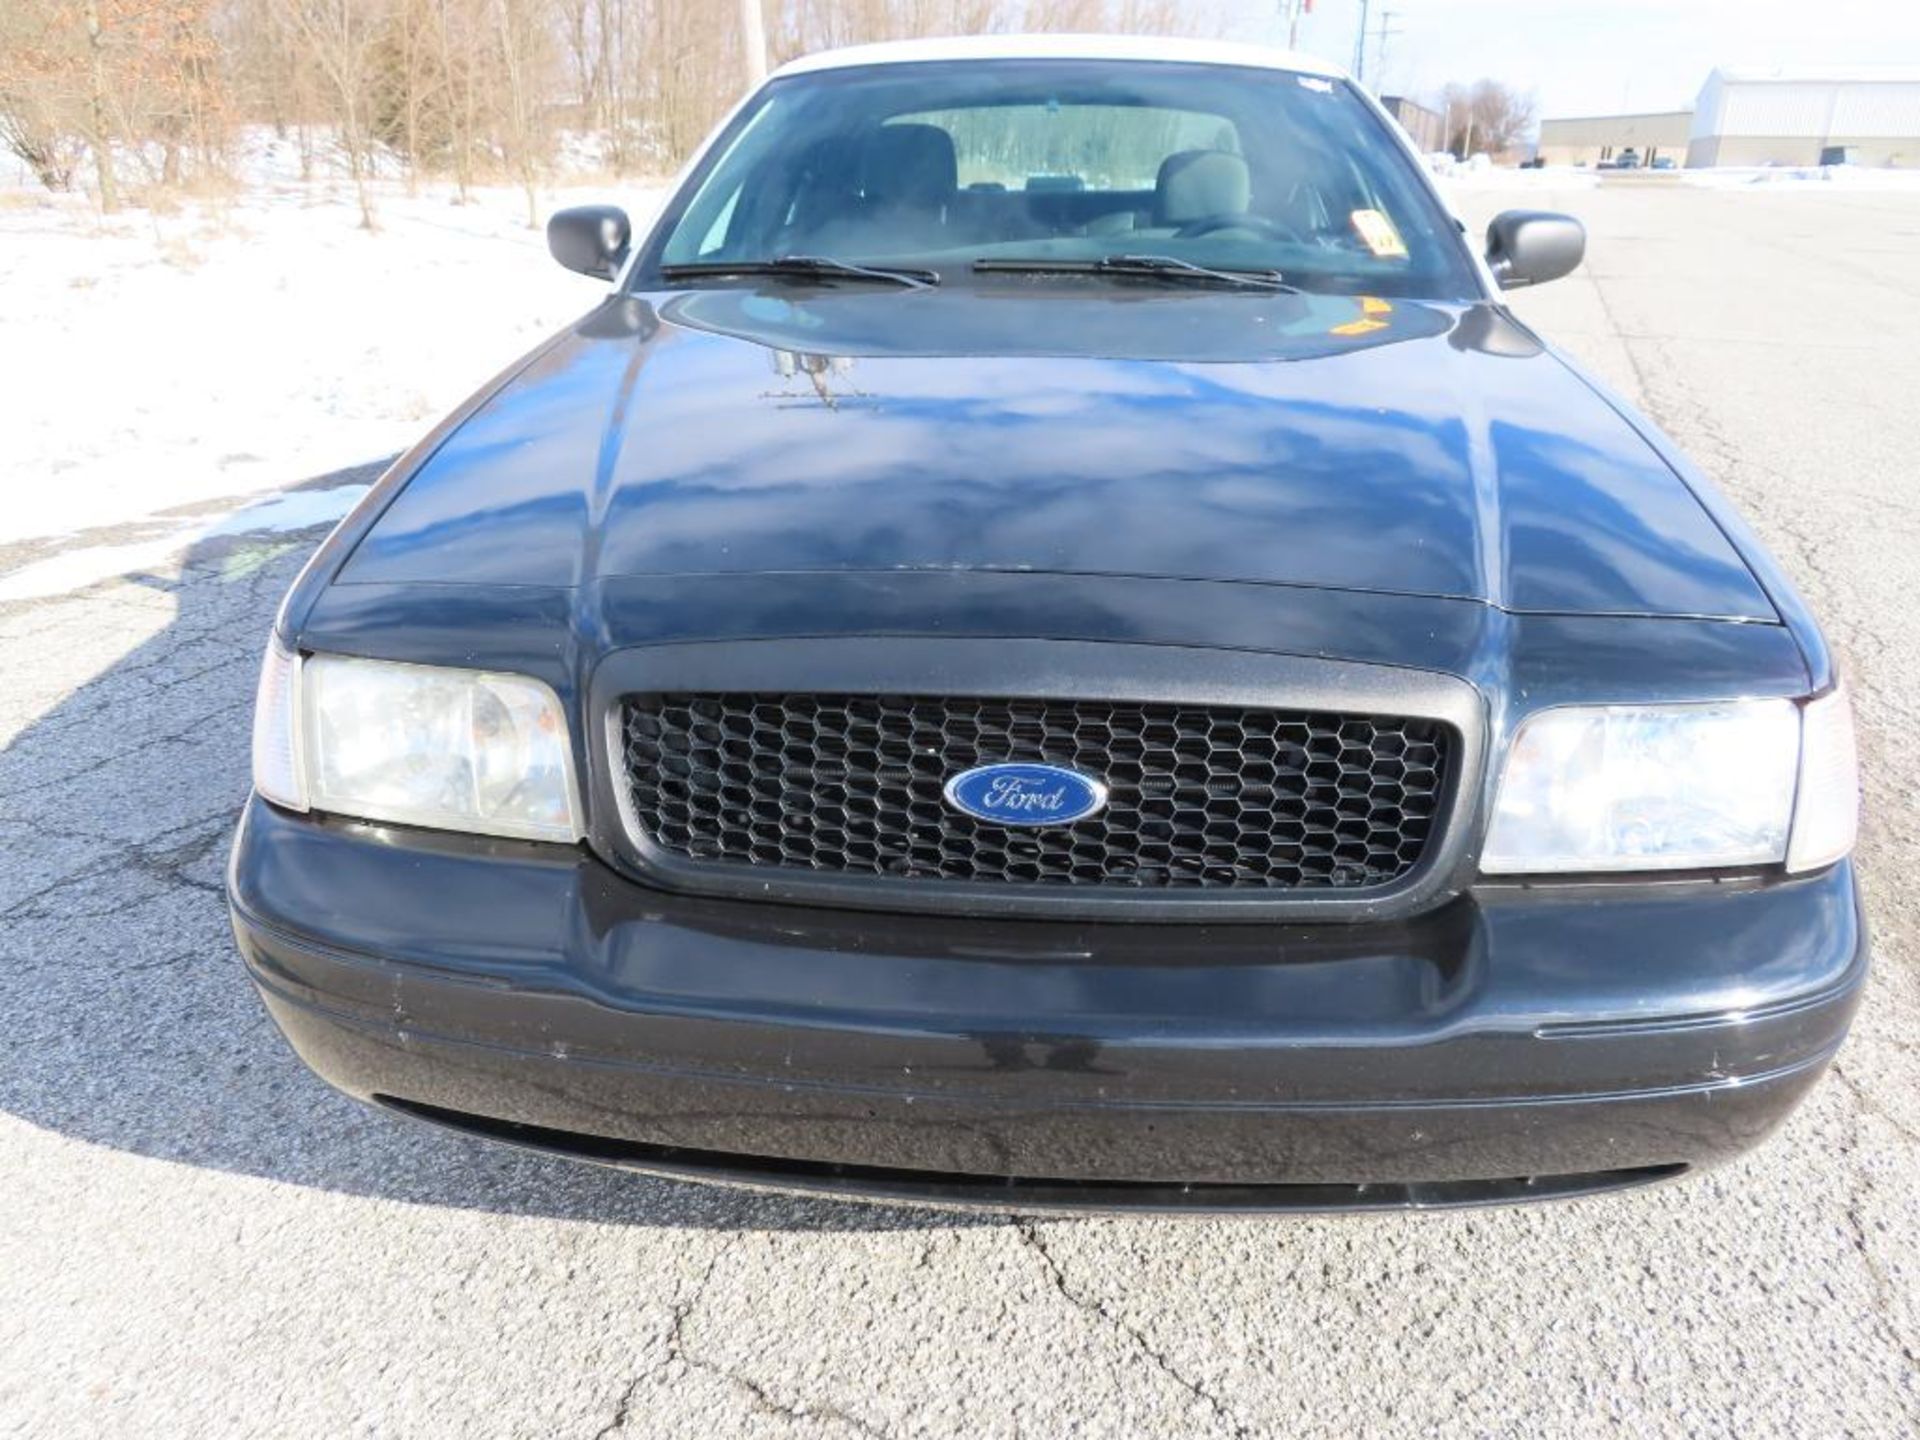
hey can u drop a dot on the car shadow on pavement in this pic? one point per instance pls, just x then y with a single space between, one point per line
130 1022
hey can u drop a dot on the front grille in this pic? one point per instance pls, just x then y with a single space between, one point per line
1199 797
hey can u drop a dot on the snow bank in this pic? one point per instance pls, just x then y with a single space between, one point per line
228 350
1554 177
1838 179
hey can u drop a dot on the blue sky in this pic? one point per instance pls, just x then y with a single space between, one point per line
1584 57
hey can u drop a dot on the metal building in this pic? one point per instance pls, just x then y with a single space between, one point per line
1790 116
1424 125
1590 139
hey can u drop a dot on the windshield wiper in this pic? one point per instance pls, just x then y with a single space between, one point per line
1159 267
806 267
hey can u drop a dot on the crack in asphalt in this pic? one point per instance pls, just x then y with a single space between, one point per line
1029 1233
1869 1103
168 866
756 1392
138 748
1860 1183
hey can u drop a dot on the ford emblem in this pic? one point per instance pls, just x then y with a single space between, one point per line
1025 794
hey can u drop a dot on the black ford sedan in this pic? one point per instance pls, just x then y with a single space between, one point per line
1052 642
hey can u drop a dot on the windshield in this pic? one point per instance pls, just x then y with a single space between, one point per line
939 166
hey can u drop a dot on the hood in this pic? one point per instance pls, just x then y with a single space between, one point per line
1328 442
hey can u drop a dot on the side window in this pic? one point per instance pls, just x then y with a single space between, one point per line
714 241
704 229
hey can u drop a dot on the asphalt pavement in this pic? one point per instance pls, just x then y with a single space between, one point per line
198 1239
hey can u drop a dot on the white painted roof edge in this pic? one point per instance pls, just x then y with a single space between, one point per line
1818 74
1064 47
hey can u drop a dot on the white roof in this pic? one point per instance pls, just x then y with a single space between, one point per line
1064 47
1819 74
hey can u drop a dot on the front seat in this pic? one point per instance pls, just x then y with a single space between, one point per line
909 178
1198 185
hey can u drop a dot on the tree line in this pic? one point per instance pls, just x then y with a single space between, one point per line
122 95
1485 116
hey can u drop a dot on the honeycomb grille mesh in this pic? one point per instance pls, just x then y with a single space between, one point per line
1200 797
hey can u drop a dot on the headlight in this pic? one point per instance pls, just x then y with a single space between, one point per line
1647 787
415 744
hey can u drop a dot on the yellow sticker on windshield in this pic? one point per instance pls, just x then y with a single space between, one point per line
1376 232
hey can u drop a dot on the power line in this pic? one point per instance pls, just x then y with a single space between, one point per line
1385 33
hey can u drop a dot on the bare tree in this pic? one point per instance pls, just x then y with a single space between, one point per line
38 86
339 37
454 30
466 88
409 90
96 124
576 21
1486 116
521 54
112 77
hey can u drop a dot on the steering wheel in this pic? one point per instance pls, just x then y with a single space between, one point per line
1258 224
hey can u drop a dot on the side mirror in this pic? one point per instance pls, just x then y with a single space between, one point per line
1531 247
591 239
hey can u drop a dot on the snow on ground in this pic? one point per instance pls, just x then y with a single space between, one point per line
189 362
1466 178
1808 178
75 568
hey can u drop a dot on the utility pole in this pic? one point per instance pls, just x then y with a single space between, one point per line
1360 45
753 40
1385 33
1293 10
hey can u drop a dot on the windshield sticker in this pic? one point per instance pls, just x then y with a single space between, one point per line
1376 232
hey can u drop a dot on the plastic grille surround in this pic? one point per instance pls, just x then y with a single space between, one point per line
1200 796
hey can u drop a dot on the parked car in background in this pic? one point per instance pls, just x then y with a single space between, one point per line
1151 688
1627 159
1663 162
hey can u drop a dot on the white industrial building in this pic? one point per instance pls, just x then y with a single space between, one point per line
1602 139
1760 117
1789 116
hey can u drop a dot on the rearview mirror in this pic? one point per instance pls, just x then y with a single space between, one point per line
1531 247
591 239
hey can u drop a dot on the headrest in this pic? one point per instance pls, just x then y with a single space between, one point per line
1195 184
909 164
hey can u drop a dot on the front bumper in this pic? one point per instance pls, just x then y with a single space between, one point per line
1518 1042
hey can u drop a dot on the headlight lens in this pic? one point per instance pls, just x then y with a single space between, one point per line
1647 787
1826 814
418 745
